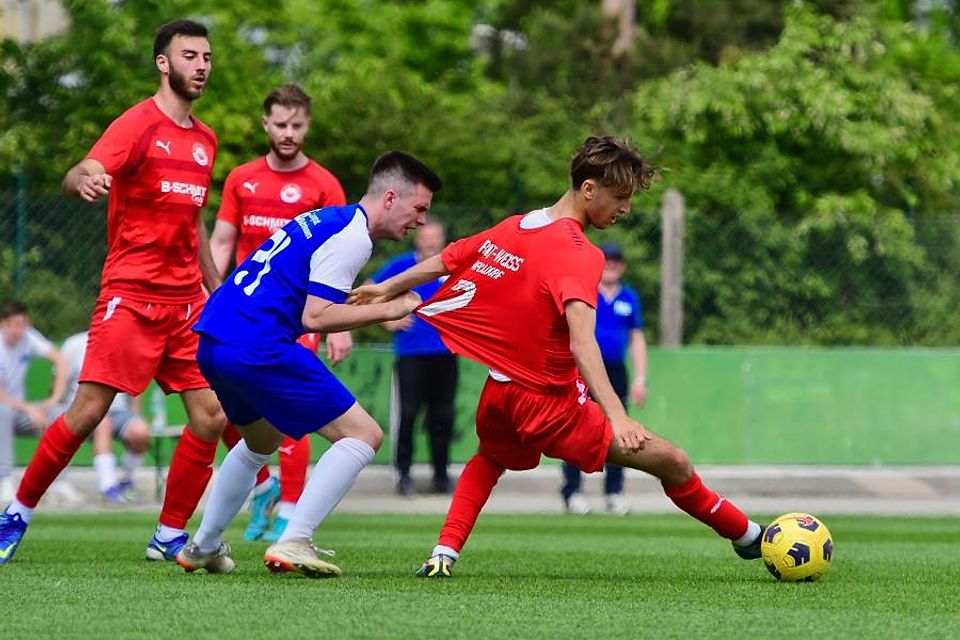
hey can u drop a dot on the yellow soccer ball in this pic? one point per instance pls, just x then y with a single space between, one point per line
797 547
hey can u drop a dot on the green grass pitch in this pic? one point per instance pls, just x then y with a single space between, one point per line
83 576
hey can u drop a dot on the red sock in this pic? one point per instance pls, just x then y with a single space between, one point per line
190 471
472 492
231 437
54 453
294 458
711 509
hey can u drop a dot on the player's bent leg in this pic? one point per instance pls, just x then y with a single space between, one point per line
231 488
476 482
190 470
355 437
683 486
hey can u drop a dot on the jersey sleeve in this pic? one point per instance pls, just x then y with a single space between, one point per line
577 279
460 250
229 210
334 266
115 148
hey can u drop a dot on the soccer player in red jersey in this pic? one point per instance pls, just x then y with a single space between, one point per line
154 164
260 197
521 299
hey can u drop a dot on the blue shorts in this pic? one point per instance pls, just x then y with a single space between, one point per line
283 383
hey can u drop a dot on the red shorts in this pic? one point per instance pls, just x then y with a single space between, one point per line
131 343
517 425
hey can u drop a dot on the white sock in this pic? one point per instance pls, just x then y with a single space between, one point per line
444 550
285 510
233 483
332 477
753 530
18 507
131 462
105 464
263 487
166 534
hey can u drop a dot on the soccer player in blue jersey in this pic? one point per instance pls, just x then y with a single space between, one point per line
270 387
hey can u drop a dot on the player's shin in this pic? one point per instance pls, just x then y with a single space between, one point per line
708 507
473 490
234 481
190 471
56 449
332 477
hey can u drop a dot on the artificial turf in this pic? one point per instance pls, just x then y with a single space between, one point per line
83 576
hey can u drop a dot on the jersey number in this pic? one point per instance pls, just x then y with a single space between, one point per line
280 241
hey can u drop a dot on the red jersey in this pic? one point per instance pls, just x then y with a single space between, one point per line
161 178
258 200
503 304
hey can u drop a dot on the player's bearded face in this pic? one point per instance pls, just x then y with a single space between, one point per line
286 128
189 69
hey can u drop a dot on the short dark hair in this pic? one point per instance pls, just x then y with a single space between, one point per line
176 28
13 308
288 95
613 162
394 166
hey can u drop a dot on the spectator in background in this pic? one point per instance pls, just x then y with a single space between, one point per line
619 330
19 343
425 371
123 423
260 197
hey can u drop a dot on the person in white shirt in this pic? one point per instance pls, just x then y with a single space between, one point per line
19 343
122 423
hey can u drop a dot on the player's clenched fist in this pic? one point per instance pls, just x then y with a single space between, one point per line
92 187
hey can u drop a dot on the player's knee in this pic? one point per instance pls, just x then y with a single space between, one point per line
136 437
371 433
677 467
82 418
210 422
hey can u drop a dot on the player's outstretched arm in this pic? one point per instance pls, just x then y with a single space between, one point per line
328 317
582 319
87 180
426 271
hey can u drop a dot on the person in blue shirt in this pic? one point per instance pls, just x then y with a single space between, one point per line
425 372
619 332
270 387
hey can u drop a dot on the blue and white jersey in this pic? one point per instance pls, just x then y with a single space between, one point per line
317 253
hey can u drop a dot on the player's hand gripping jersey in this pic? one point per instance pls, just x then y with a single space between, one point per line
503 304
261 303
161 179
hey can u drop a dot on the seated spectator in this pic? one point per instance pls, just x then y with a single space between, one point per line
19 342
122 423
